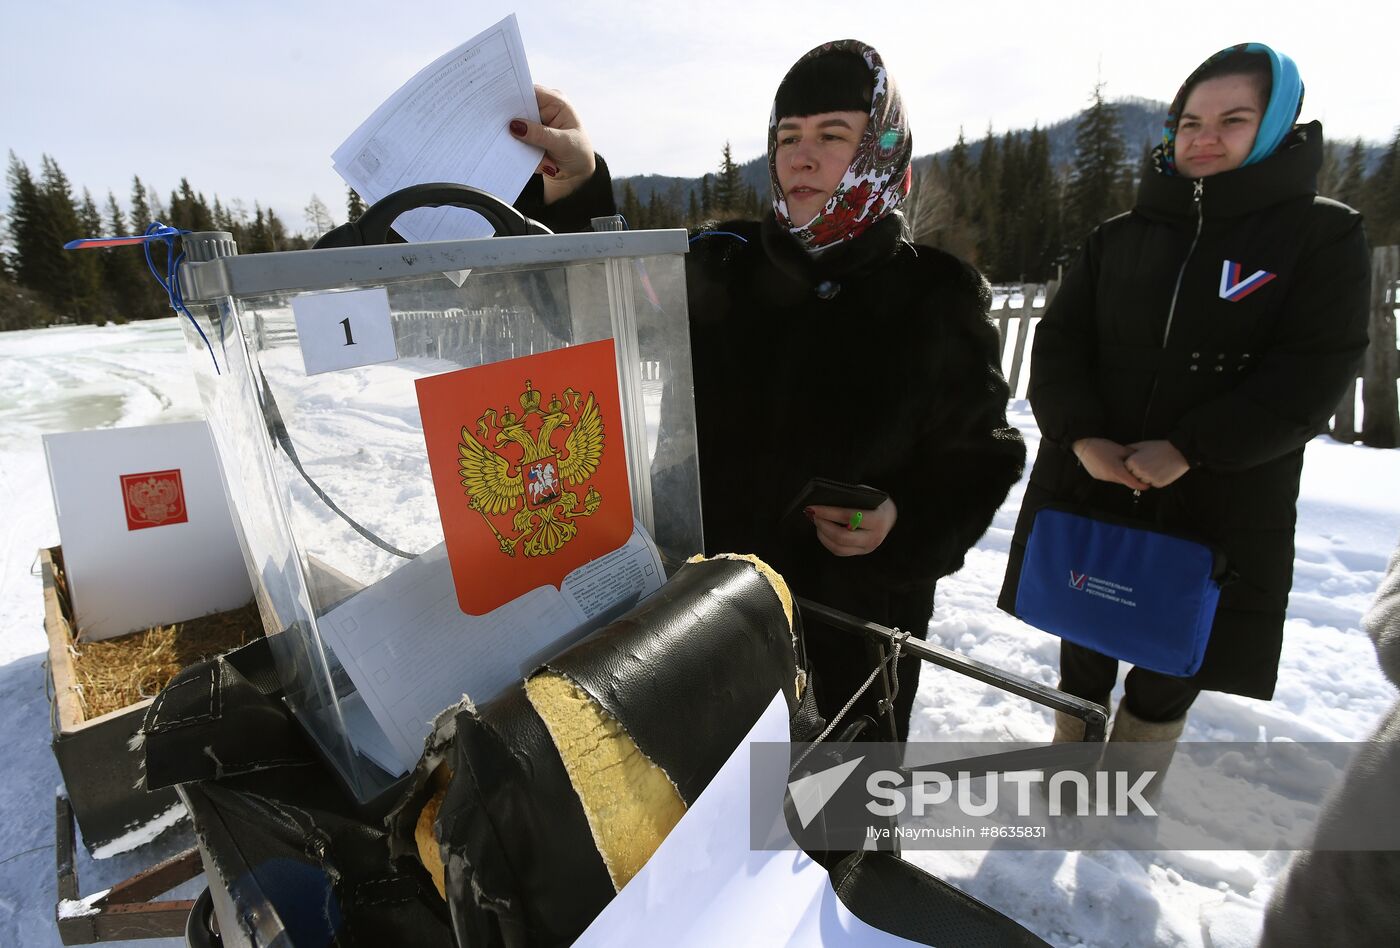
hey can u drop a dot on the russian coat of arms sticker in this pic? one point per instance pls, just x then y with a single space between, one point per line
529 468
154 499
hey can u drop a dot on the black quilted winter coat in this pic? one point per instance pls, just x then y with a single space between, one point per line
1226 315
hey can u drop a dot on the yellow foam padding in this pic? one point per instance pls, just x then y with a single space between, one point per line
424 830
775 579
629 801
780 586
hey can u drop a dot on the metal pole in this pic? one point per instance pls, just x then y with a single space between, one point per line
1094 716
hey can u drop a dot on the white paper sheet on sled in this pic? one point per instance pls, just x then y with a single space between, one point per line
704 886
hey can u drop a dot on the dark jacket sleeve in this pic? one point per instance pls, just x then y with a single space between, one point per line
1062 391
1300 377
966 458
573 214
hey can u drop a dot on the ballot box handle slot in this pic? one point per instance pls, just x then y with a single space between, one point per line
372 227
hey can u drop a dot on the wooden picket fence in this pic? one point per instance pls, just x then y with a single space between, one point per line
1016 310
1380 407
1375 393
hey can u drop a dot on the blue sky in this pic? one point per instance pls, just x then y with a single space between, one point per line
259 93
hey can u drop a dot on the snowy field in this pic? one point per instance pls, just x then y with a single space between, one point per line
1330 688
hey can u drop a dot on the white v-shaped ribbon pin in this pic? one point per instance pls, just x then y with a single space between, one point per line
1234 289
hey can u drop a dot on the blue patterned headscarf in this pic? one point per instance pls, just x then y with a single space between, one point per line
1282 111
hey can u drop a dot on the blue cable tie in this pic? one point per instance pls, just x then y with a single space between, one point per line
159 232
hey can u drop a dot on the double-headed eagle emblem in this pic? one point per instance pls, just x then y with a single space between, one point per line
541 480
155 499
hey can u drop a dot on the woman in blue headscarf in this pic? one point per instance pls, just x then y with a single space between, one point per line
1195 347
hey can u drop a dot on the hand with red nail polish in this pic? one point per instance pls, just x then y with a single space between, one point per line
843 534
568 159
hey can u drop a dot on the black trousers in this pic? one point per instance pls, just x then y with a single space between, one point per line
1149 695
840 662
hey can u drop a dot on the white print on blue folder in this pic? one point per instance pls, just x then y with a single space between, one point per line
1102 588
344 330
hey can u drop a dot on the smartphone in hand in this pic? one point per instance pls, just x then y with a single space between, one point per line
822 492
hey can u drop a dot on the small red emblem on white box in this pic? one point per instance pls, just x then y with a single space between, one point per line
154 499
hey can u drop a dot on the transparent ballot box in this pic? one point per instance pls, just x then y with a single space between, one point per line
317 425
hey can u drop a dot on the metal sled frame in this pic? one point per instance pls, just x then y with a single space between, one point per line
1094 716
127 910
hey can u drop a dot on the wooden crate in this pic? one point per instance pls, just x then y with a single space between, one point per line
101 771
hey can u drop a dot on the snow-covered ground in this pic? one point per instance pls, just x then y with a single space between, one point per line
1330 687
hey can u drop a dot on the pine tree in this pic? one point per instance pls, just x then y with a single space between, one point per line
707 197
223 220
140 216
1040 238
729 189
1096 182
258 239
123 269
753 206
631 208
177 214
1009 197
188 210
354 207
158 209
115 222
23 226
1382 197
150 301
959 177
276 232
104 298
88 219
692 214
70 279
658 214
1352 180
985 203
957 233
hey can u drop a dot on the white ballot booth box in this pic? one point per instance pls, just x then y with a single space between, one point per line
389 568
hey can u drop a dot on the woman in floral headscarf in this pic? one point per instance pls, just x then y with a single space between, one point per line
827 345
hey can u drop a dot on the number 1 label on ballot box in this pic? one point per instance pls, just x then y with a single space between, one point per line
344 330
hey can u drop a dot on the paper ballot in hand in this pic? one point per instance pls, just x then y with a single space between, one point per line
448 123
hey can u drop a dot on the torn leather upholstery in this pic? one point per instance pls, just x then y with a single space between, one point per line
562 787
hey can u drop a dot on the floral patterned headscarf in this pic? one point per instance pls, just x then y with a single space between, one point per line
880 173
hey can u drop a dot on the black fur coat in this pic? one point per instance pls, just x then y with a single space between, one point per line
872 363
